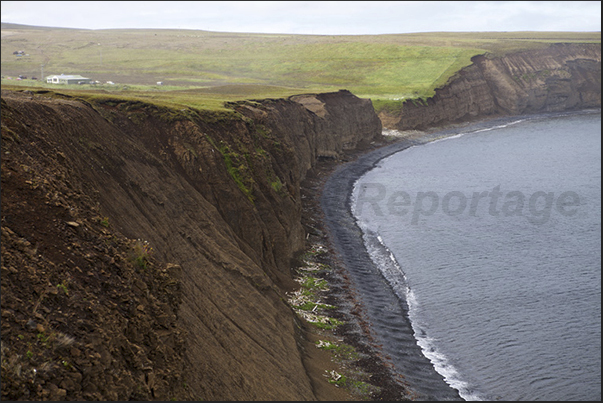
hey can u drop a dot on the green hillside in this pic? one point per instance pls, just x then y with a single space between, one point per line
203 69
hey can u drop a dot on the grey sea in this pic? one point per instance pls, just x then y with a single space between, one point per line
492 239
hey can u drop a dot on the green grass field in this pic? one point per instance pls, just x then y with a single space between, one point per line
203 69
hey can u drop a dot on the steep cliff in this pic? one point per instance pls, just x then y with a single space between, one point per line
559 77
146 251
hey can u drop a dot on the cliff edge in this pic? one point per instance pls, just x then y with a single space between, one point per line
560 77
146 251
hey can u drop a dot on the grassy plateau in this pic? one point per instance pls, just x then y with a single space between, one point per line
203 69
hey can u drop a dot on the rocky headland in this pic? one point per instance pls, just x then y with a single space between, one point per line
560 77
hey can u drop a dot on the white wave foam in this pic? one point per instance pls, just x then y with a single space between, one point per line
430 350
456 136
385 260
499 126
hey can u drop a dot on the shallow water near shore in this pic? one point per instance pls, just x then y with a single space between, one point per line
489 241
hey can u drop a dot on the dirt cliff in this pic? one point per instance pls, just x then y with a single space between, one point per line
557 78
146 251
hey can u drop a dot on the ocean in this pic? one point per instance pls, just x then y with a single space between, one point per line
490 239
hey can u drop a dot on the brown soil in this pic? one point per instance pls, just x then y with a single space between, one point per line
84 309
135 268
92 312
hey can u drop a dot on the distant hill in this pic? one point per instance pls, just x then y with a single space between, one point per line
9 25
221 66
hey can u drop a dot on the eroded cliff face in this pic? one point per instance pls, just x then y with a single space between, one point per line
558 78
146 251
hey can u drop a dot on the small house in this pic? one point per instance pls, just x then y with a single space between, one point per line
68 79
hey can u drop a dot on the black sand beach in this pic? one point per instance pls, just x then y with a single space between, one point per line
376 320
385 312
379 319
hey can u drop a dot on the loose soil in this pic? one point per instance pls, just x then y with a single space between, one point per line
89 313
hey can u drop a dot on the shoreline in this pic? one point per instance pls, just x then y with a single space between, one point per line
384 317
379 318
344 291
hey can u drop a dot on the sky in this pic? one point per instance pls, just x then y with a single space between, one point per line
311 17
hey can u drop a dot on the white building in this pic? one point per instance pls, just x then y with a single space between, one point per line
68 79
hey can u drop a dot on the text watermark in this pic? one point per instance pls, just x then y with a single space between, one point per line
536 207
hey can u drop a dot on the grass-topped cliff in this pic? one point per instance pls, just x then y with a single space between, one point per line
148 253
203 69
153 237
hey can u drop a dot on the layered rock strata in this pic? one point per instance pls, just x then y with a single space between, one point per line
158 242
560 77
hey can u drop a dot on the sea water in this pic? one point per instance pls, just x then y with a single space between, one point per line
492 238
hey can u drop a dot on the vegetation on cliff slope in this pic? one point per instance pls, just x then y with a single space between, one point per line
146 249
88 312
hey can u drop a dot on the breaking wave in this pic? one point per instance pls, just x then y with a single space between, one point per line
393 273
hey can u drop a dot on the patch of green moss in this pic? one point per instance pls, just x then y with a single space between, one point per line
238 171
341 351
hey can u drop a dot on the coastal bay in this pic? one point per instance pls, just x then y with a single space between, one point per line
151 234
384 308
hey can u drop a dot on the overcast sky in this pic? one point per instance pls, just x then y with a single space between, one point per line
311 17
